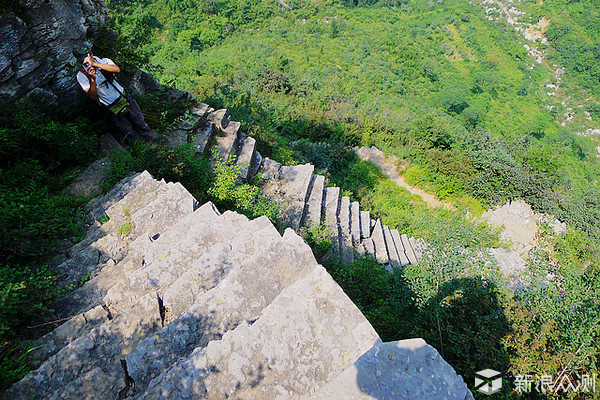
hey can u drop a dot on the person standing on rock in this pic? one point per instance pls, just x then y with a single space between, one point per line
96 77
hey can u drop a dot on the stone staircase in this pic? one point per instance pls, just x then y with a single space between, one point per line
302 193
182 301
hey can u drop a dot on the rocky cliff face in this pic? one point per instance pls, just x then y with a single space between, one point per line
36 50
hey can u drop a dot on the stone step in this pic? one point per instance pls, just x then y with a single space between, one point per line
270 169
275 355
391 247
345 233
176 255
75 327
202 138
101 348
134 186
228 141
94 385
365 225
255 165
314 205
246 157
366 246
400 248
290 189
219 117
105 241
408 250
369 245
140 315
202 110
355 223
97 207
406 369
91 295
190 127
240 296
417 246
332 207
379 241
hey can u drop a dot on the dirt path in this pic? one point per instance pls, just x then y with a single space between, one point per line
389 166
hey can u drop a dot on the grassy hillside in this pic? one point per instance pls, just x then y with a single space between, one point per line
438 84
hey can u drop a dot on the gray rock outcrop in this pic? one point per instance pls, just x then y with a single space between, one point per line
36 51
191 303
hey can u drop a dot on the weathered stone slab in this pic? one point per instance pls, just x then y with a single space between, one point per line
228 141
292 191
219 117
50 344
391 247
240 296
315 201
296 180
101 348
313 313
270 169
255 165
379 241
179 255
355 223
410 253
247 155
202 110
94 385
89 181
370 246
365 225
98 206
202 138
400 248
332 205
406 369
346 237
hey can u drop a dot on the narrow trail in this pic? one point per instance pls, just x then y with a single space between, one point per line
389 166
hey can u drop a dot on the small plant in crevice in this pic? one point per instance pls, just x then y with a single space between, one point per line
229 192
318 237
127 226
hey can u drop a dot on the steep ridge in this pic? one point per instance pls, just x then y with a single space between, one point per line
193 303
304 198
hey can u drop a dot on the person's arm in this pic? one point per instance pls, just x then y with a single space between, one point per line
106 67
92 92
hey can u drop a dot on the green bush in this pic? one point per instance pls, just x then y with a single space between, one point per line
227 191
